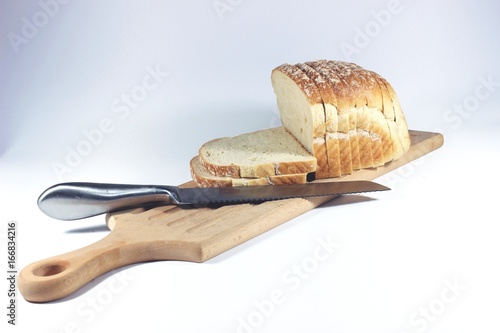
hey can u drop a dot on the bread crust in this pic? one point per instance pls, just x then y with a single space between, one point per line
369 113
354 78
203 178
400 121
331 118
377 132
342 132
261 170
303 81
351 96
310 92
315 101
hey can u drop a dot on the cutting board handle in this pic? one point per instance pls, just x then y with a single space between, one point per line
54 278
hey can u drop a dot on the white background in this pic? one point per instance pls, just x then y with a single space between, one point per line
420 258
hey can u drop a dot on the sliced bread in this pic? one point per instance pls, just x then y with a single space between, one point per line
370 129
340 133
397 123
351 95
337 117
203 178
331 119
302 112
259 154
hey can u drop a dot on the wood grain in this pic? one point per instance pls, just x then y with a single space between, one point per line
174 233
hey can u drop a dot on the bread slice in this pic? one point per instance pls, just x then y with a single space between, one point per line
399 125
302 111
331 119
398 129
350 94
203 178
377 130
371 127
259 154
339 133
388 120
353 77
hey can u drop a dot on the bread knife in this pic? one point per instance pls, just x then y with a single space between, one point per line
73 201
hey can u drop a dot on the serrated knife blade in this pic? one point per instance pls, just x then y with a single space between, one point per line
73 201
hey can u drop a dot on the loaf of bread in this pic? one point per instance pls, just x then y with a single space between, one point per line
337 118
362 124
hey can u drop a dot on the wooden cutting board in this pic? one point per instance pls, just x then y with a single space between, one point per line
174 233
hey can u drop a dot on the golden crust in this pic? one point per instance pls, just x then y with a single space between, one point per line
202 178
341 134
388 113
311 93
264 169
371 128
354 76
319 151
326 96
353 96
302 81
369 140
331 117
399 119
219 170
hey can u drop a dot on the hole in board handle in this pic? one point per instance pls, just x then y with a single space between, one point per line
51 269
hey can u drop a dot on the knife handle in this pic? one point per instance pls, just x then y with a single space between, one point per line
72 201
